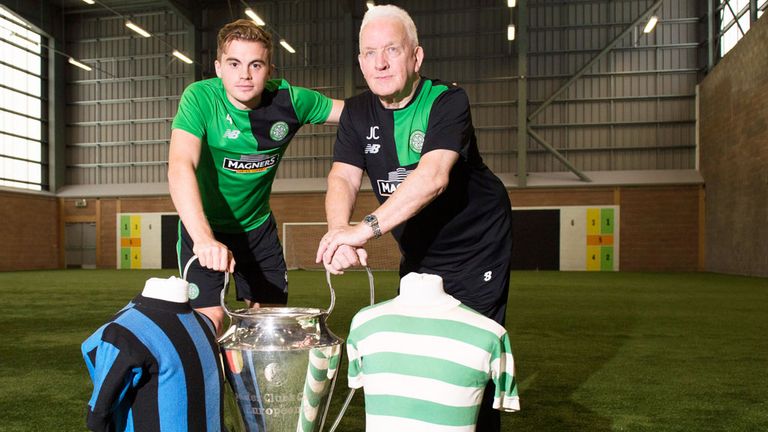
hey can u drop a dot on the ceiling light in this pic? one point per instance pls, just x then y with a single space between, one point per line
252 15
8 34
511 3
651 24
78 64
287 46
511 32
182 57
137 29
90 1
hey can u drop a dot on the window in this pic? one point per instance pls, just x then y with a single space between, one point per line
23 150
734 11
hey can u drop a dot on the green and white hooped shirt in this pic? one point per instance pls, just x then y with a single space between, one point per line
241 149
425 369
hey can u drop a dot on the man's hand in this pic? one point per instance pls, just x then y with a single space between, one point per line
214 255
346 257
341 248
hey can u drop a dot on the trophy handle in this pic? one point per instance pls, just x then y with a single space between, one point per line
351 391
333 293
223 290
327 278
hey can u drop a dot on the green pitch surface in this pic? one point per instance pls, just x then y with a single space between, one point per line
594 352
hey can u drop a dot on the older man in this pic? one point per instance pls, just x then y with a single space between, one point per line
450 215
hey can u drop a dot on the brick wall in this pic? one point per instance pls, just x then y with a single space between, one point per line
659 224
659 229
29 232
733 134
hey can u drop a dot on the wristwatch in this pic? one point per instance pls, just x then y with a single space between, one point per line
373 222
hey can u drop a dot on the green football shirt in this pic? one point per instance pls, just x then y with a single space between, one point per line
241 149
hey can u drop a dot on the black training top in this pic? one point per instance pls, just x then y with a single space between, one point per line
468 224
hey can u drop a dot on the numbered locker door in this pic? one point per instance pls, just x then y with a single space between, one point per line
573 231
151 241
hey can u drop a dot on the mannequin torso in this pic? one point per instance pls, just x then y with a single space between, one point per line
420 289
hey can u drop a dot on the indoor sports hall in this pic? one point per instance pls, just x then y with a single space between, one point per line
631 137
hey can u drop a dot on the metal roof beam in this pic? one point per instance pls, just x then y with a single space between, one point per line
594 60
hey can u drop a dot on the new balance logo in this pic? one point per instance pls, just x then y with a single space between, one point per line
232 133
372 148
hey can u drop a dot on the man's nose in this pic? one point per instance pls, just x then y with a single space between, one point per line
245 73
381 60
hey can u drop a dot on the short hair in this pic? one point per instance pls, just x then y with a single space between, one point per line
393 12
242 29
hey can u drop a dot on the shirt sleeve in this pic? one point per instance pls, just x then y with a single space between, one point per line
310 106
347 148
503 376
450 123
114 372
189 116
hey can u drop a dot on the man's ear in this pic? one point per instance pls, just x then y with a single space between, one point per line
419 54
217 65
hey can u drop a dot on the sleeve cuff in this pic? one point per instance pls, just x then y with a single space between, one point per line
507 404
354 382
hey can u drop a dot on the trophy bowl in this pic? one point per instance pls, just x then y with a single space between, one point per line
281 363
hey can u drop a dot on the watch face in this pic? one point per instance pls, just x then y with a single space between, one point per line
373 222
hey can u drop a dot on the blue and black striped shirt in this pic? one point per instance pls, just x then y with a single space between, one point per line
155 367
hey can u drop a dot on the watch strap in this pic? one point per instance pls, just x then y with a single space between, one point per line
372 221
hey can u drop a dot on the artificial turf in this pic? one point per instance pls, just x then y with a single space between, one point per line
594 351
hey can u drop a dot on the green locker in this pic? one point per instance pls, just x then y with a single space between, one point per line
606 258
606 221
125 226
125 258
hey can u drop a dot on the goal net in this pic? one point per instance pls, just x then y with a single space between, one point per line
300 241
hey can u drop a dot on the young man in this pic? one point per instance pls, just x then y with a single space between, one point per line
228 137
450 215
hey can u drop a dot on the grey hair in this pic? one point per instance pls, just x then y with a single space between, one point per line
392 12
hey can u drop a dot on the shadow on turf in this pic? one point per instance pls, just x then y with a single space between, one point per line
556 351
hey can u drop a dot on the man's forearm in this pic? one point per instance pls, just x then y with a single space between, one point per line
339 201
185 195
420 188
415 193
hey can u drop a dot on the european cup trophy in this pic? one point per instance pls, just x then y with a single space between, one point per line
281 364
